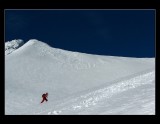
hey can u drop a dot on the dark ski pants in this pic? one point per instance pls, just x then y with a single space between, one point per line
44 99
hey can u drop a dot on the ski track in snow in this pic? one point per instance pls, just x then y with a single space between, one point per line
89 100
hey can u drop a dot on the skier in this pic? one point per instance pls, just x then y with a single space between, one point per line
44 96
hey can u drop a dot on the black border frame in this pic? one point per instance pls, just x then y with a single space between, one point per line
39 4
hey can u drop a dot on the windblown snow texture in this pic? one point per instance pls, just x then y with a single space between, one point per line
77 83
11 46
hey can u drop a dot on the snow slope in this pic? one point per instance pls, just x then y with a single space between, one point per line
11 46
77 83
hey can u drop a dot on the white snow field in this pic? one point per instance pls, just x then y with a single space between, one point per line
77 83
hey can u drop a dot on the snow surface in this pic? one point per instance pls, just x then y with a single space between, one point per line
11 46
77 83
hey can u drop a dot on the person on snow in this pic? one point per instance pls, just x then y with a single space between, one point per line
44 97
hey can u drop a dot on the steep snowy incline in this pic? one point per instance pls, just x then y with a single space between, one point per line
11 46
35 68
119 98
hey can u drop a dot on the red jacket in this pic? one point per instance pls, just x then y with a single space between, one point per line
45 95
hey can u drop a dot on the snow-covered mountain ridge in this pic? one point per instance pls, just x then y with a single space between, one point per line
11 46
35 68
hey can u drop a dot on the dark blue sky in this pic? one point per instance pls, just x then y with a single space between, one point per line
129 33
